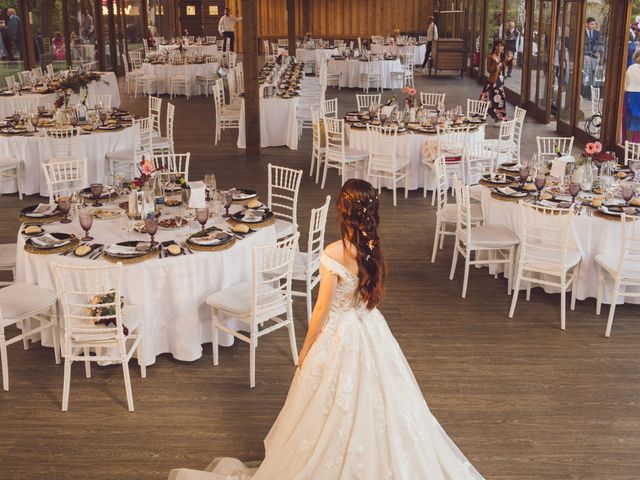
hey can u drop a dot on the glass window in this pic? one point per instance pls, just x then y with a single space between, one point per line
11 44
565 59
82 38
48 33
134 28
494 26
593 65
630 125
514 41
477 28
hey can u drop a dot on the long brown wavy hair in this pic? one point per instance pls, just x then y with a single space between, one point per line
358 214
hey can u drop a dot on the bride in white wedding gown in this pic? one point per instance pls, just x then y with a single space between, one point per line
354 410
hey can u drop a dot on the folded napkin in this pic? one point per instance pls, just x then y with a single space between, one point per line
121 250
198 195
212 238
42 210
548 204
563 198
507 191
48 240
559 165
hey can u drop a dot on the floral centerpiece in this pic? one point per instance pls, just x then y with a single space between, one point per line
410 92
591 151
103 309
147 173
75 83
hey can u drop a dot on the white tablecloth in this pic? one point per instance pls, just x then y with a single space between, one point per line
171 291
278 123
209 49
416 146
304 55
419 52
34 151
351 70
164 72
95 88
591 236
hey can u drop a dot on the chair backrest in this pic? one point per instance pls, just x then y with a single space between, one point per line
239 71
452 141
36 74
101 101
284 187
338 43
210 38
464 221
544 236
25 78
433 101
77 286
477 108
272 268
518 116
62 142
442 183
233 84
283 42
334 138
155 112
330 108
173 164
365 100
628 265
232 59
595 100
631 151
548 147
65 177
142 134
382 146
422 39
171 113
50 70
315 242
218 97
25 103
377 39
316 129
478 160
10 80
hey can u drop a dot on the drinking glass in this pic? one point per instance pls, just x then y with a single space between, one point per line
628 192
35 119
103 117
524 174
73 120
541 181
86 221
574 189
151 225
202 215
96 191
210 183
41 109
64 205
228 199
634 166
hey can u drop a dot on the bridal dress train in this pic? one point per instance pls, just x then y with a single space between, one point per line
354 410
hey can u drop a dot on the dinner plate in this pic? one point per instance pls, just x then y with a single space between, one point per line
63 239
106 213
359 125
617 210
128 249
511 167
218 237
240 216
498 178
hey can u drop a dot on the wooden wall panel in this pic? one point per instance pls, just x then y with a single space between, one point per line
342 19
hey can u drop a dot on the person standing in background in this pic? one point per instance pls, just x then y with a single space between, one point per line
493 91
631 112
592 50
13 25
432 35
511 41
226 27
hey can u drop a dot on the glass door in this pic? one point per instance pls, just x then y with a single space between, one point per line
542 71
568 64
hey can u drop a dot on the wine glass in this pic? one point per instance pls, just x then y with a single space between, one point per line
151 225
228 199
202 215
86 221
210 183
64 205
574 190
35 120
524 174
16 117
628 191
41 109
73 120
103 117
541 181
96 191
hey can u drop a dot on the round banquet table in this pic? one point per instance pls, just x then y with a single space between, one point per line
314 54
171 291
416 146
205 49
419 52
34 151
351 70
591 235
163 72
95 88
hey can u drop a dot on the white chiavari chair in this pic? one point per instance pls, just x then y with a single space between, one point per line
549 147
10 80
503 147
372 77
101 101
25 78
546 253
21 303
50 70
65 177
129 75
62 144
518 116
25 104
496 240
210 39
384 163
330 108
146 82
37 75
206 80
283 42
282 200
154 112
265 298
318 147
164 144
478 161
451 144
234 91
172 165
226 117
619 273
432 101
12 169
338 155
631 152
477 108
364 101
306 266
125 162
77 286
179 80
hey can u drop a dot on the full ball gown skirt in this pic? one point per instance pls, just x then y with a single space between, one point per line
354 411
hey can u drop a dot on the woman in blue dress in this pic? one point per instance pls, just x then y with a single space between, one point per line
632 101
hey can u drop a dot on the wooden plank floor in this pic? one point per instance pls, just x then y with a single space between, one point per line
521 398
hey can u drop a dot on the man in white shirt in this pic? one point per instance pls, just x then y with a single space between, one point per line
226 27
432 35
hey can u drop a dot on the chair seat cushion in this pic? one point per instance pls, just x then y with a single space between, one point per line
160 142
609 261
9 162
121 155
22 300
236 300
546 260
284 228
494 145
355 154
492 236
450 212
8 253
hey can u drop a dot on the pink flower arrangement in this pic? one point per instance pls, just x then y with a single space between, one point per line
411 95
593 148
147 170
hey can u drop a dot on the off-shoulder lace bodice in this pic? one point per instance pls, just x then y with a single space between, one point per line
346 297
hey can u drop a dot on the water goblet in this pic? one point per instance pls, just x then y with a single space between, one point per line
574 190
210 183
41 109
228 199
202 215
524 174
151 225
103 117
35 120
64 205
73 120
628 192
96 191
541 181
16 117
86 221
